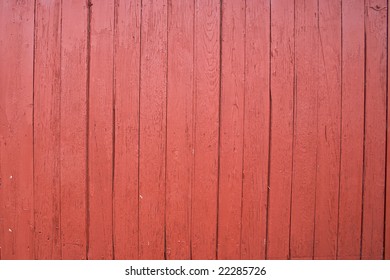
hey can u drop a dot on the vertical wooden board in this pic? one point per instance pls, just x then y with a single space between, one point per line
100 146
152 129
231 129
282 96
387 203
16 129
352 130
375 130
206 118
74 129
180 151
256 129
305 130
47 96
127 61
329 123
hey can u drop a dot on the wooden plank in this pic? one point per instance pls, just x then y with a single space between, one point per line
180 150
73 130
256 129
127 61
47 98
387 202
100 146
305 130
282 94
352 130
375 130
231 129
16 129
206 90
152 129
328 127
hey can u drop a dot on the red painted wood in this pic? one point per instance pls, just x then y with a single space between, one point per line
328 130
305 130
204 194
73 129
180 149
100 135
352 130
152 129
47 98
387 191
127 76
194 129
282 94
231 129
256 129
375 130
16 129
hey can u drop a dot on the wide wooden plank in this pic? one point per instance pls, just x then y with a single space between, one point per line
231 129
206 120
16 129
152 129
256 129
375 130
282 94
73 130
305 129
329 124
126 73
47 98
352 130
180 150
100 134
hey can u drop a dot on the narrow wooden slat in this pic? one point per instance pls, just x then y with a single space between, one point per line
100 148
352 130
231 129
47 90
73 130
152 129
206 118
16 129
282 94
387 203
305 129
375 130
256 129
127 61
329 123
180 150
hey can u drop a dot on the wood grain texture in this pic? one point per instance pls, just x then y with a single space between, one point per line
305 130
282 95
387 191
126 75
16 129
256 129
231 129
100 134
328 127
47 98
375 130
194 129
352 130
206 121
73 129
152 159
180 149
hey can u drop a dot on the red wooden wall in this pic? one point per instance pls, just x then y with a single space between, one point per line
194 129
